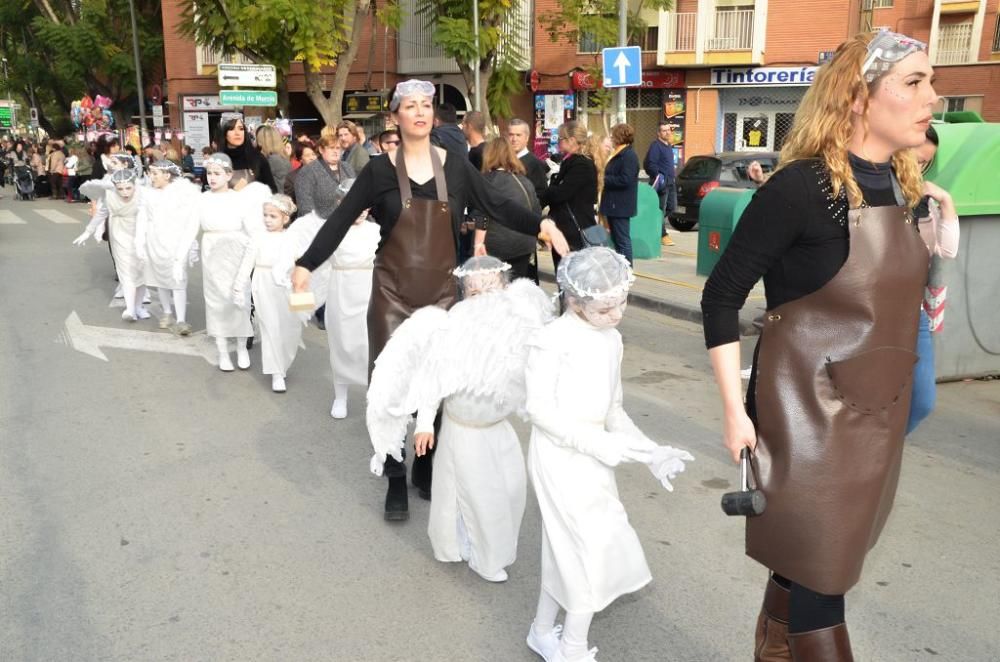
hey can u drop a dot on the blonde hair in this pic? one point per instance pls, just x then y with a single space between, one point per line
823 128
270 141
590 146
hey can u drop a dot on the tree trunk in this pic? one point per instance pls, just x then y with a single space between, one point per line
329 107
284 101
329 111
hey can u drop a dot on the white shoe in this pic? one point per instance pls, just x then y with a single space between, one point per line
499 576
146 299
339 408
545 645
127 316
166 321
242 356
118 292
225 362
559 657
277 383
142 314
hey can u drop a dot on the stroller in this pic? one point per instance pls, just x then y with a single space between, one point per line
24 181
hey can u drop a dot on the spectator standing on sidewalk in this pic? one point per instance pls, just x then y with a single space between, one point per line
474 128
354 152
446 133
518 135
56 165
621 188
659 166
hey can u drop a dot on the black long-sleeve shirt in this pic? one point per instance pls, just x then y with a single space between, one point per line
377 189
794 234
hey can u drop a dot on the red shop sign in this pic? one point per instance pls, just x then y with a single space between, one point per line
656 79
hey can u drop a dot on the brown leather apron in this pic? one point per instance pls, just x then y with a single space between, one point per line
832 397
414 266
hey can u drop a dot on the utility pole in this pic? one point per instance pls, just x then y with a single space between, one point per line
476 103
138 72
622 42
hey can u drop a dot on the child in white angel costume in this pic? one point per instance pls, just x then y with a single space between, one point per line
228 219
271 256
472 358
580 432
165 229
348 293
119 207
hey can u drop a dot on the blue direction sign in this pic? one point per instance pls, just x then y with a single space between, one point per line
622 66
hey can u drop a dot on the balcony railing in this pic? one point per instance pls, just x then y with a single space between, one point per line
206 57
954 42
681 32
733 31
996 36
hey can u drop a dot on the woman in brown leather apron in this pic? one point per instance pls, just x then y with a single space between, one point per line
417 195
833 237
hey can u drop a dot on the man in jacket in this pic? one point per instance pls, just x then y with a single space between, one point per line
518 134
446 133
659 166
474 128
55 163
354 152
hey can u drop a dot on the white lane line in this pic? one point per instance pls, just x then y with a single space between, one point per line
57 217
7 217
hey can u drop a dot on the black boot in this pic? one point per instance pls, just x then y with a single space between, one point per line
421 475
397 505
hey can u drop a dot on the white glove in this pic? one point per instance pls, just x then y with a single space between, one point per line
193 254
623 448
82 239
178 270
376 465
666 462
239 298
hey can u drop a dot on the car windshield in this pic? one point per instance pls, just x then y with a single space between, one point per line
736 171
701 167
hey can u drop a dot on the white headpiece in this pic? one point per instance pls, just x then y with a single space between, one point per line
219 159
282 203
595 274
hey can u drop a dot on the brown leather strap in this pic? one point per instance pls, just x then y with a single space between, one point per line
405 192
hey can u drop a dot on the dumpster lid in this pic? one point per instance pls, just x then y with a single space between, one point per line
966 166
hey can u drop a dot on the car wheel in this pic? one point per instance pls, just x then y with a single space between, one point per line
683 225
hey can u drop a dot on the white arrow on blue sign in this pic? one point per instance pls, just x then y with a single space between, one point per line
622 66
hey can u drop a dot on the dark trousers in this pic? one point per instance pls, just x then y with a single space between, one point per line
56 184
809 610
620 234
668 203
421 465
524 266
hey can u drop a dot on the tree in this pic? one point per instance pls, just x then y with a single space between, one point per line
500 54
317 33
597 22
59 51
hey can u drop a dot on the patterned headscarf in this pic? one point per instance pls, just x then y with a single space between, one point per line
885 50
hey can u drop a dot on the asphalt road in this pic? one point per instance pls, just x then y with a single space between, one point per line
154 508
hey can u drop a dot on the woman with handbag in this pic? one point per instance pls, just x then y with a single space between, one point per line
621 188
832 233
505 172
572 193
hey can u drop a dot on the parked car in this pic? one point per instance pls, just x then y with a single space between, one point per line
701 174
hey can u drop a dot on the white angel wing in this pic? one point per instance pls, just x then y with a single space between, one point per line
95 189
482 349
252 197
392 378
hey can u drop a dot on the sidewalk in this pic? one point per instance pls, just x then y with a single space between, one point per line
669 284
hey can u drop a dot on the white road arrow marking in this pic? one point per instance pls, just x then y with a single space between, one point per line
621 63
90 339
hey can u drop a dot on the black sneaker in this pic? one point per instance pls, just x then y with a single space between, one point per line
397 506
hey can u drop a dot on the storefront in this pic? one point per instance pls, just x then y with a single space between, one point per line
757 105
201 117
661 97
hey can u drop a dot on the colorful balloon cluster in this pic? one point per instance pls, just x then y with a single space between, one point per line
92 113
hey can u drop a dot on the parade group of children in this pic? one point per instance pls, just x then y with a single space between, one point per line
247 250
501 350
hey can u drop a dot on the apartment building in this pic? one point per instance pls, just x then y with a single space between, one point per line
748 63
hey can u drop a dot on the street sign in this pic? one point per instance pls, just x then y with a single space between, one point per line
6 117
248 97
622 66
158 116
249 75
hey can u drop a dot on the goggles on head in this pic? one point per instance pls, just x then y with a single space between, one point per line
885 50
409 88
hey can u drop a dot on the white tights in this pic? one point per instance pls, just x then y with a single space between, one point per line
133 298
222 344
179 302
575 627
340 391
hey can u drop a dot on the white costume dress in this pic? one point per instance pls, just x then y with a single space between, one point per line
166 226
590 553
270 256
350 288
473 358
227 220
121 217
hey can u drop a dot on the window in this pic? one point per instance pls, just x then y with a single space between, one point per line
876 4
646 40
996 36
588 43
955 104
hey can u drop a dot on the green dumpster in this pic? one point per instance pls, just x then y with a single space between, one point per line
646 227
966 165
720 212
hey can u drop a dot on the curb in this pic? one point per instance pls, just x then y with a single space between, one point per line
668 308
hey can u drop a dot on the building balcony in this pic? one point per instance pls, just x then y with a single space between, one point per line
954 44
205 57
681 32
959 6
731 31
712 35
